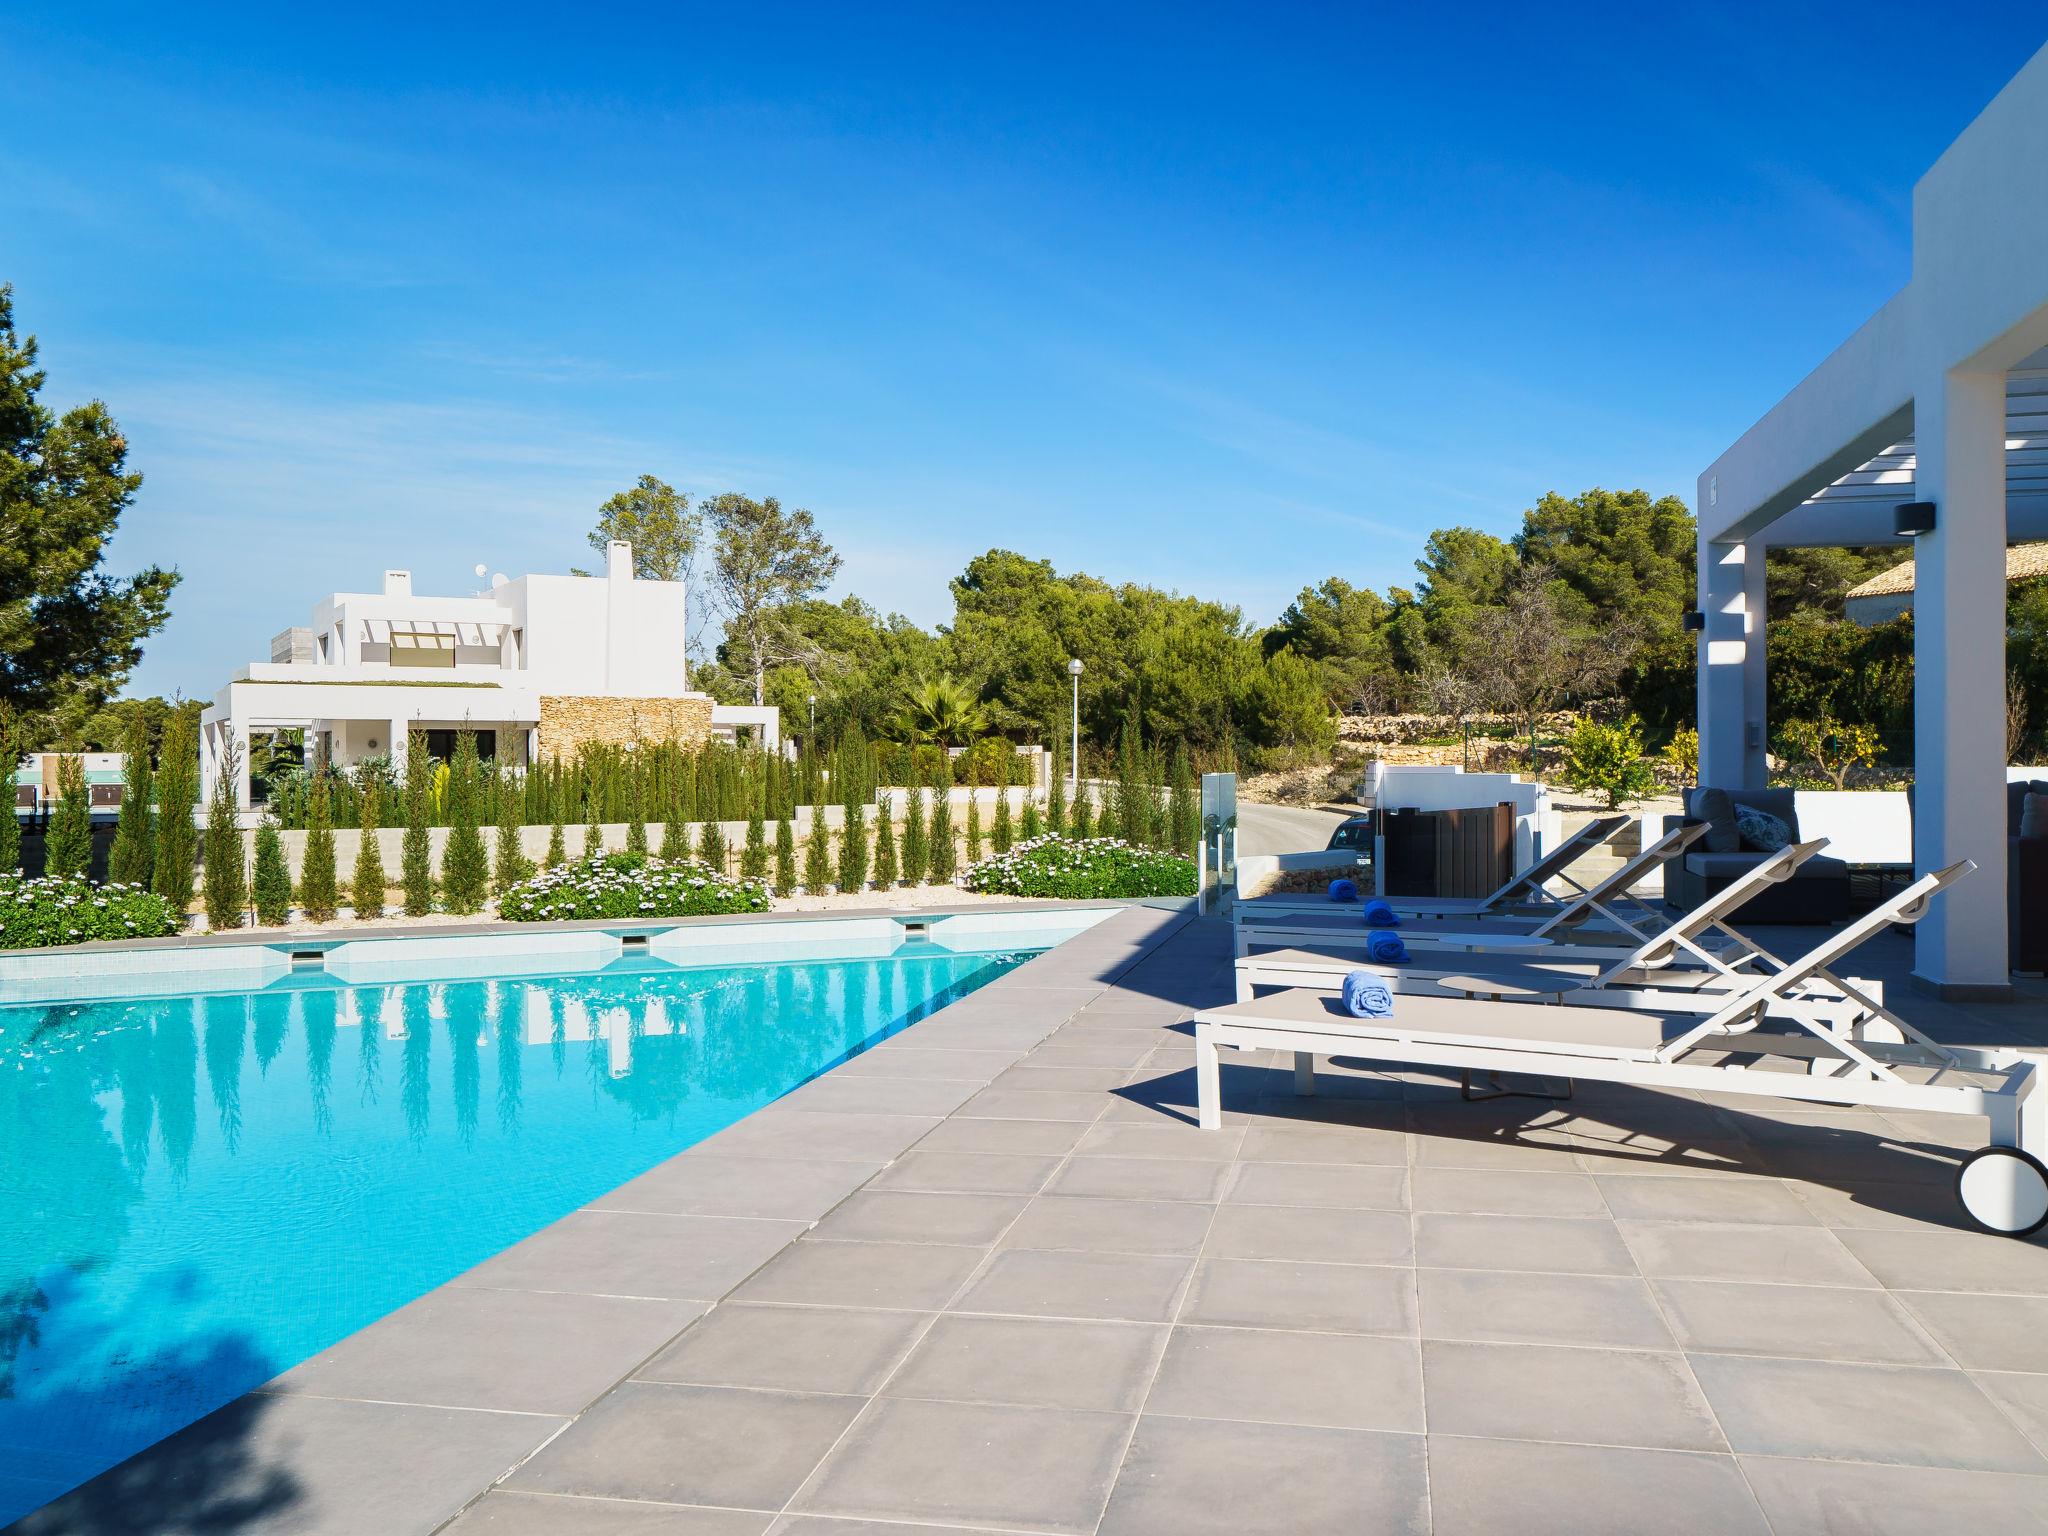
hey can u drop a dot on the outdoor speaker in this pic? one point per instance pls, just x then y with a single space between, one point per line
1693 620
1911 518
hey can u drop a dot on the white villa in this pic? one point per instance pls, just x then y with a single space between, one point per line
535 666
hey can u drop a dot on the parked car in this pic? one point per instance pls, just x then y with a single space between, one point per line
1353 832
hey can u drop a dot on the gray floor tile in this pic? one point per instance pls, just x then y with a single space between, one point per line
1581 1396
691 1445
789 1349
1337 1380
296 1464
1551 1153
514 1351
1141 1178
775 1132
630 1253
1032 1138
1860 1204
1326 1298
547 1514
1801 1321
1744 1199
1028 1104
1837 1498
1984 1333
1046 1469
988 1173
699 1184
1555 1244
1133 1287
893 1216
1037 1074
1768 1255
1382 1146
2024 1397
880 1095
1196 1477
1486 1487
1951 1261
1033 1362
832 1525
1089 1050
1111 1226
1118 1140
1898 1414
1506 1192
1617 1311
1357 1187
1312 1236
921 1060
916 1277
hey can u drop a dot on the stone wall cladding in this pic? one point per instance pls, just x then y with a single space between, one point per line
567 721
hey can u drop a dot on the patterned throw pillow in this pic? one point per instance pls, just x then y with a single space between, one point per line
1761 831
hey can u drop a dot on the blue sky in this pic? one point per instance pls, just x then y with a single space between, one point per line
1222 299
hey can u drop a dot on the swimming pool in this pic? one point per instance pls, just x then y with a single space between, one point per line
199 1191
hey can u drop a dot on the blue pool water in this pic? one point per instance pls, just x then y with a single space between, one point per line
199 1192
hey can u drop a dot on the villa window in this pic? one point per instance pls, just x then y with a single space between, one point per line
441 744
422 648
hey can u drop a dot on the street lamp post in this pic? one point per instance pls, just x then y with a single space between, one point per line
1074 762
814 719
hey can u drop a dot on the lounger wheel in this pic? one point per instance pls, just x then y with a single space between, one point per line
2004 1190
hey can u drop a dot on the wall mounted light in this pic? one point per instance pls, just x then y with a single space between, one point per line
1692 620
1913 518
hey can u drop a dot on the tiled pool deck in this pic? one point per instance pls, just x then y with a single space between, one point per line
989 1277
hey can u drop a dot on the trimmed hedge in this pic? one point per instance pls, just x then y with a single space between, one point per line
629 885
1077 868
57 909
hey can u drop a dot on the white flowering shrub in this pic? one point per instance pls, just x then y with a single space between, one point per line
629 885
1082 867
63 909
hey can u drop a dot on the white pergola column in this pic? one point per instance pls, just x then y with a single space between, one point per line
1731 666
1959 680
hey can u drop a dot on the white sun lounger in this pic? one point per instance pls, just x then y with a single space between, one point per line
1691 965
1528 891
2003 1187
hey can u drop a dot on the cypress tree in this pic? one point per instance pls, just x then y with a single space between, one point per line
916 851
754 856
1130 808
177 787
675 825
67 846
511 865
853 845
1001 834
317 893
943 857
465 862
135 834
1030 827
885 845
416 862
973 811
636 821
366 886
593 838
818 854
1056 798
10 764
558 851
785 857
711 846
272 888
1183 807
1082 822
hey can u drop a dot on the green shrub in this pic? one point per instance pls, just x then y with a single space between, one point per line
319 893
886 872
629 885
1101 867
226 885
67 849
817 854
416 853
511 865
942 859
711 846
36 914
177 791
754 852
366 888
853 846
1608 760
134 851
916 851
1682 755
785 858
10 764
465 862
272 888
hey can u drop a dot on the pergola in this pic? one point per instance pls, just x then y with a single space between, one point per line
1940 397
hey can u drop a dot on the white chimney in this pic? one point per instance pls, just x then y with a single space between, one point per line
618 560
398 583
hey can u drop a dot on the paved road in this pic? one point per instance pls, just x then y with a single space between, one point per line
1282 828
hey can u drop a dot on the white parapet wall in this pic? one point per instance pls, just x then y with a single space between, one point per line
1425 787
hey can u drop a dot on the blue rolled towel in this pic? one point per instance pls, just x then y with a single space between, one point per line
1367 997
1343 890
1380 914
1384 948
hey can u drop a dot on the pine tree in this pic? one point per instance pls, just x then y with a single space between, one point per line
135 834
10 764
785 857
416 860
366 886
853 845
177 788
943 858
818 854
67 846
916 850
885 845
711 846
1001 835
511 865
271 890
465 862
754 856
318 896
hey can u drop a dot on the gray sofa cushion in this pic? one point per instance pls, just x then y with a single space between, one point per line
1714 808
1728 866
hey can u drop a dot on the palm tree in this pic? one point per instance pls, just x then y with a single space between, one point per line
941 710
